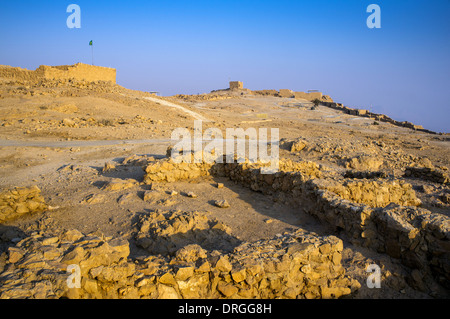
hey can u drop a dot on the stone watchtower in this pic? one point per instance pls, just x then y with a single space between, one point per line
236 85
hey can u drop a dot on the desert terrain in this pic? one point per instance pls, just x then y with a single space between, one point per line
112 202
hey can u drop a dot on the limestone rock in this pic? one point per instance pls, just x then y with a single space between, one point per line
190 253
223 265
295 145
167 292
364 162
191 195
221 203
93 199
118 184
109 166
266 267
227 289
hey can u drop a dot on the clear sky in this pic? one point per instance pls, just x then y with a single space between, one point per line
401 69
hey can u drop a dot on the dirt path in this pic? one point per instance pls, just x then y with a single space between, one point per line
19 143
195 115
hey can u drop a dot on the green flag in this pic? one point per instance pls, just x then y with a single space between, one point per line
90 43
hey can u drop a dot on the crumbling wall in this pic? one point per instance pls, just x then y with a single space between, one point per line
291 94
267 92
308 96
8 72
419 238
363 209
236 85
184 261
286 93
288 179
79 71
295 265
167 170
376 193
375 116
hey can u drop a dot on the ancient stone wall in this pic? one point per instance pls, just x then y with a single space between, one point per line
376 193
295 265
7 72
286 93
308 96
194 256
79 71
267 92
372 213
291 94
236 85
375 116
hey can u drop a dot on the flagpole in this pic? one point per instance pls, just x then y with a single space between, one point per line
91 43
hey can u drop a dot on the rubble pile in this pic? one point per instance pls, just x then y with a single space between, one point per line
19 201
295 265
166 232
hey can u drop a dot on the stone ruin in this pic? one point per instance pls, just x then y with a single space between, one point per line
378 214
79 72
375 116
191 255
289 266
236 85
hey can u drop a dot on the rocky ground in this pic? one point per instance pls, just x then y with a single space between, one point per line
88 148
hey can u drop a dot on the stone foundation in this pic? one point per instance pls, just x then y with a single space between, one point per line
296 265
190 255
378 214
79 71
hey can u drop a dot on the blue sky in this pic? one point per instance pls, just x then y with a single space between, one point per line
402 69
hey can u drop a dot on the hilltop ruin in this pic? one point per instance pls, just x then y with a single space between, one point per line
79 71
